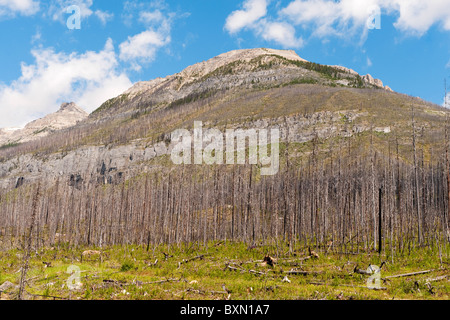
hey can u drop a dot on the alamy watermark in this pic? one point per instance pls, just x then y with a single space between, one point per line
73 282
374 281
74 21
208 146
374 20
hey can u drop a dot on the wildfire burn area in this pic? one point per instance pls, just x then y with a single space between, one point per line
226 270
369 195
229 233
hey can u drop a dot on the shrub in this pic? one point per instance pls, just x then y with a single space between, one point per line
127 266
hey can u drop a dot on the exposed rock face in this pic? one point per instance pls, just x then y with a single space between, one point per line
367 78
370 80
375 82
232 69
104 165
203 68
67 115
199 70
242 69
347 70
383 130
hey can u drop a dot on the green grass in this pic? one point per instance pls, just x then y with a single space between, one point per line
133 273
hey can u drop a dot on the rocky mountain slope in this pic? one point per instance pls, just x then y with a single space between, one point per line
200 70
258 88
69 114
233 62
247 68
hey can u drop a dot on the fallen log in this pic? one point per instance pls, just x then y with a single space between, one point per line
284 261
108 282
370 270
348 253
201 257
437 278
257 272
218 244
234 269
252 261
158 282
361 271
347 285
243 270
408 274
204 292
150 264
301 272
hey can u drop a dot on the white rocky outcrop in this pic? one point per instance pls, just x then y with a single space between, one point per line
367 78
346 70
370 80
375 82
387 88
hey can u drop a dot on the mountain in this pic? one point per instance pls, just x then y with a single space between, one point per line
247 68
68 115
358 163
258 88
237 62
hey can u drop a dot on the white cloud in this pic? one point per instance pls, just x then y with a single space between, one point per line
143 46
150 17
88 79
147 12
104 16
341 18
369 62
324 17
37 36
280 32
336 17
253 10
24 7
418 16
253 17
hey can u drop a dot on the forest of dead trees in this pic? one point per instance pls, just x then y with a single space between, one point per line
359 202
356 199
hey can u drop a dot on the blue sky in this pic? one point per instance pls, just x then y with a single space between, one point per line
43 63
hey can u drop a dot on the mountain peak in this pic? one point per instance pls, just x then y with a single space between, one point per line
245 61
205 67
67 115
201 69
71 107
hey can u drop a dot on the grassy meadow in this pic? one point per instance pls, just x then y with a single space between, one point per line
227 271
